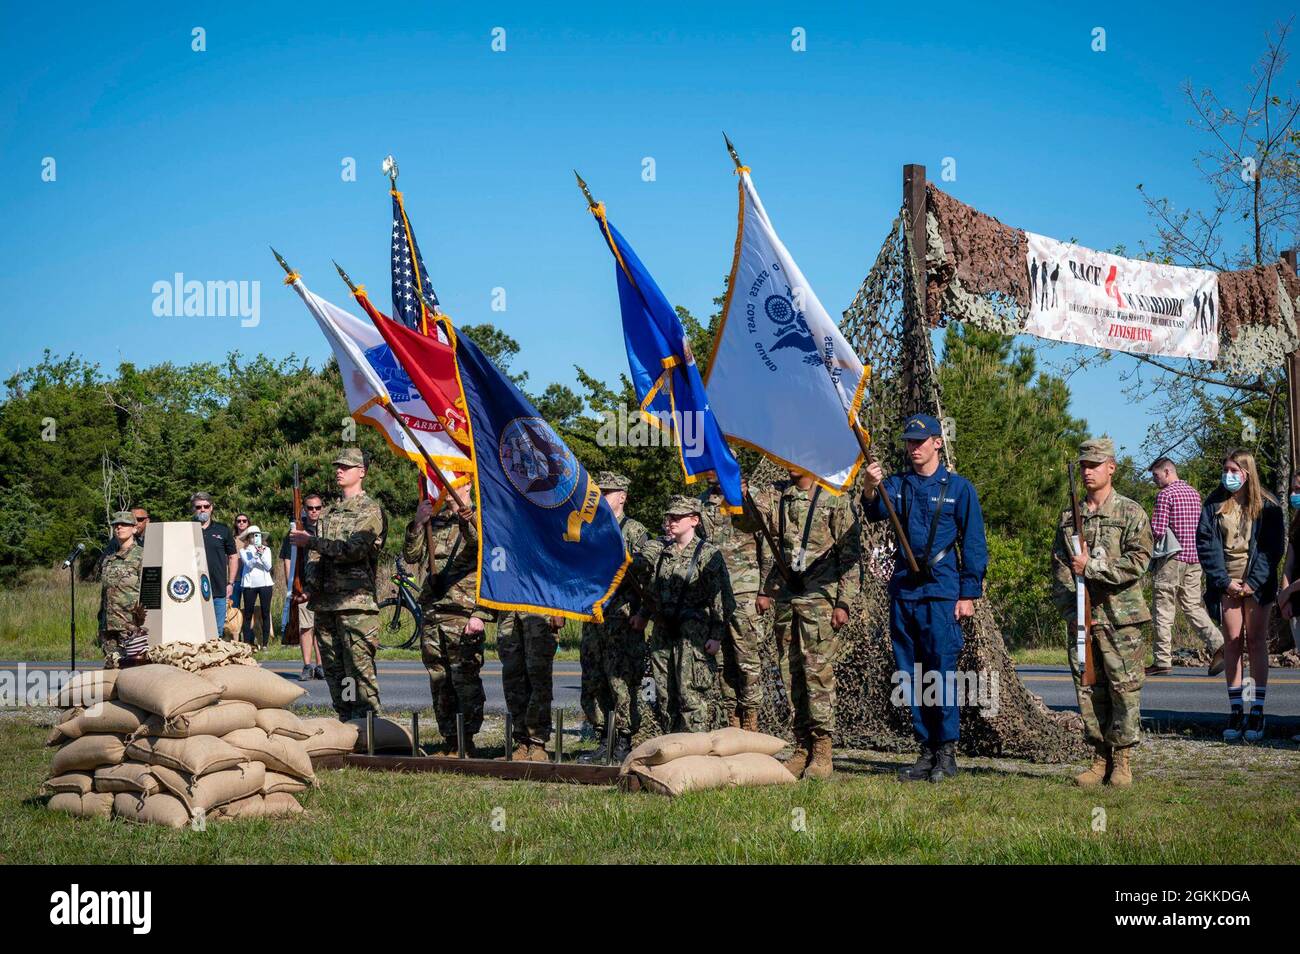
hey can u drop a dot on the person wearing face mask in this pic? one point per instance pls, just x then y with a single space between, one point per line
223 558
1176 571
1240 540
256 582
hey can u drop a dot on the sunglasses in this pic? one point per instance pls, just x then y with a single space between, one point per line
317 507
203 506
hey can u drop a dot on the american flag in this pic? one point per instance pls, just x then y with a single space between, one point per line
411 285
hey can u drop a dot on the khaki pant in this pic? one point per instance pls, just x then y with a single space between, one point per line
1177 585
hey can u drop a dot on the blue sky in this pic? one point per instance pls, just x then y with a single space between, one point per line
170 160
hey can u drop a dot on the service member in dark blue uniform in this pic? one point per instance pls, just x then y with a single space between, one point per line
940 513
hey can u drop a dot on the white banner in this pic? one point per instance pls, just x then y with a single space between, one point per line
1121 304
782 379
372 376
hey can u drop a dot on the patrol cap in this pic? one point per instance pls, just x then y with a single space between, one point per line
921 426
1096 450
351 457
683 506
608 480
121 517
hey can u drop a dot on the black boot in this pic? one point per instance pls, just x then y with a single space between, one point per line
920 771
945 762
622 747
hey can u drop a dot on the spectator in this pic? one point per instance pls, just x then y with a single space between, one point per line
256 582
311 664
241 527
1289 595
1176 570
223 559
1240 541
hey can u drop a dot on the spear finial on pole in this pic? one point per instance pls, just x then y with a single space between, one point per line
281 260
389 166
344 276
591 203
732 149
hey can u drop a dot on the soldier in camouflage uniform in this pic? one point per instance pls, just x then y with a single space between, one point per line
120 582
1114 555
742 668
453 627
818 533
686 583
342 562
526 646
612 652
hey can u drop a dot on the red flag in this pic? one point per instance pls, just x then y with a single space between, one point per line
431 366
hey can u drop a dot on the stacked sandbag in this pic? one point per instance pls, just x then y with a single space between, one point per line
205 734
693 761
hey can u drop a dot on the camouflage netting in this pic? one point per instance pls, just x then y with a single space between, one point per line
976 273
902 382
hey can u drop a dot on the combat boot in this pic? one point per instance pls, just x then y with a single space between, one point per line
622 748
518 754
447 748
802 753
1121 773
537 753
945 762
820 766
1097 773
919 770
749 720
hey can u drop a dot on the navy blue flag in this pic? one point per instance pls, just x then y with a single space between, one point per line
411 285
549 543
664 373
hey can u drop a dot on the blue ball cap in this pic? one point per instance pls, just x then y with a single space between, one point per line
920 426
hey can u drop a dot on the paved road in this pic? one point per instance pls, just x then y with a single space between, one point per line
1186 696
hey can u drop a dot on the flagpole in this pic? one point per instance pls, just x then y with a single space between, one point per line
387 406
863 443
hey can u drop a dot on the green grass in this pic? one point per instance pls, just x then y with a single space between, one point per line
34 624
1195 802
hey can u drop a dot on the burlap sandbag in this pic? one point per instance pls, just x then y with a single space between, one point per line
254 684
197 755
333 738
216 788
219 719
127 777
160 809
756 768
686 774
278 753
277 805
86 689
71 783
90 805
166 690
113 717
694 773
721 742
279 782
389 736
88 753
285 723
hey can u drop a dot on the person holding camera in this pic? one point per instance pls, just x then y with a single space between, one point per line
940 513
812 584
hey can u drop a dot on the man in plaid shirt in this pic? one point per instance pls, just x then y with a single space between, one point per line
1177 578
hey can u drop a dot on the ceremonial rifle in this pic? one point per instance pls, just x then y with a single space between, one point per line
297 566
1083 602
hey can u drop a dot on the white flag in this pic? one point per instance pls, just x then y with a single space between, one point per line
782 379
372 377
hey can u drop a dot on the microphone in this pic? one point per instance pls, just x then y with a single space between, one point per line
73 555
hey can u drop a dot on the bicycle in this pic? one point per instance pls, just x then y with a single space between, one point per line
393 622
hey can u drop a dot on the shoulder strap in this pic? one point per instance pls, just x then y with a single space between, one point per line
934 519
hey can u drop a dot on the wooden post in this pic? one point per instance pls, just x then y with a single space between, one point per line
1293 387
914 222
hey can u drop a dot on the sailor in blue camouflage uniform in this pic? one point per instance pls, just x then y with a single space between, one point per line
940 513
